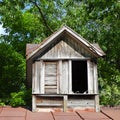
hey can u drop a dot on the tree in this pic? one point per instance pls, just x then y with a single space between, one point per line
12 70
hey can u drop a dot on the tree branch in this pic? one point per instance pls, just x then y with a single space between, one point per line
42 16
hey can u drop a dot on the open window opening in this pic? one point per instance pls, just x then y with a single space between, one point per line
79 77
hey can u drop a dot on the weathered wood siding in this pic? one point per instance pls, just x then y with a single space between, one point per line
65 102
65 78
55 77
36 77
50 78
77 46
81 102
95 78
90 70
62 50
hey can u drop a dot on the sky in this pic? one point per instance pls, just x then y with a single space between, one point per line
2 31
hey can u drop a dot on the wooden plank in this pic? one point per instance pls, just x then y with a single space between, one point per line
58 76
33 78
48 105
36 77
50 91
97 106
95 79
51 87
50 82
65 98
81 103
70 76
50 78
64 81
64 58
42 77
36 84
90 76
33 103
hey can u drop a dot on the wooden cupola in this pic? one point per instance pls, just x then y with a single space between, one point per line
62 71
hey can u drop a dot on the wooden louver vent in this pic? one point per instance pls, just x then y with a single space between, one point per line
50 77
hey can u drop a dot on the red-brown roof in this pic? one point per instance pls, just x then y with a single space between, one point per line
9 113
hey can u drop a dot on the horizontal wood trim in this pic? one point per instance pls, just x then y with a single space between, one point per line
61 95
48 105
50 87
64 58
51 91
50 83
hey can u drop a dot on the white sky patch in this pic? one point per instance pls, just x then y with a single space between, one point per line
2 30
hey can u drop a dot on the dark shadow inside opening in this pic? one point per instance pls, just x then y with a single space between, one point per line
79 76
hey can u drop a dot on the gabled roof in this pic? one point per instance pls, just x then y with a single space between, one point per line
32 49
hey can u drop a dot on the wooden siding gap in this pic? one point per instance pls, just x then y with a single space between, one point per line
53 115
106 115
79 115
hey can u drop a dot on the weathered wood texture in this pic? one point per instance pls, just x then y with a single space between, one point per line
90 76
78 46
33 103
36 77
56 77
64 50
81 102
95 79
51 77
65 102
64 80
51 69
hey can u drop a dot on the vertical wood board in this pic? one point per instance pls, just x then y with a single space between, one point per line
95 79
36 68
90 77
65 77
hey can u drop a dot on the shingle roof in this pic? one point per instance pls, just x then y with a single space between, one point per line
9 113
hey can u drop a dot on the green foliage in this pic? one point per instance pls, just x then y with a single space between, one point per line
17 99
2 103
109 81
12 70
21 98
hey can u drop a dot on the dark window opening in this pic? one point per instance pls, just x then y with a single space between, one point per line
79 76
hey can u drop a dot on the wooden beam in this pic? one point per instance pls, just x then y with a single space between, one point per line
59 76
95 79
42 77
97 106
33 103
70 76
90 76
65 98
63 58
33 78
